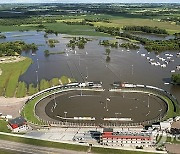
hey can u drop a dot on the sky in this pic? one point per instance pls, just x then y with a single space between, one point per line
89 1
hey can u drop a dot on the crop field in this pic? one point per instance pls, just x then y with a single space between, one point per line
171 28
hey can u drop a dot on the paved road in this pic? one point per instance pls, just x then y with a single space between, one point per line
31 149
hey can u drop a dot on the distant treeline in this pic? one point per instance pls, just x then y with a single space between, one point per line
15 48
145 29
25 21
150 45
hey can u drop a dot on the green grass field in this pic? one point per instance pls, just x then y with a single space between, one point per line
10 75
28 111
3 126
116 21
73 29
16 28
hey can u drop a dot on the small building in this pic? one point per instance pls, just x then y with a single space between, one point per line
165 125
18 124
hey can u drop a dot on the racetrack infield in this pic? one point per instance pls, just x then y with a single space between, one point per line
95 104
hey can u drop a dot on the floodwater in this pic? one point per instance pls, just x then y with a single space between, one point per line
91 63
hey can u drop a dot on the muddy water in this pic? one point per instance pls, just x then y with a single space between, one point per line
124 66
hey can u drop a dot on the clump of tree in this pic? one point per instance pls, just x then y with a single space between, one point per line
108 51
83 22
46 53
15 48
78 41
2 36
45 35
49 31
97 20
40 26
145 29
110 30
109 43
163 45
129 46
52 42
175 78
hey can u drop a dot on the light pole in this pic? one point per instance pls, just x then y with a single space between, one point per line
65 113
38 63
37 80
37 77
55 101
107 99
86 72
79 61
132 69
148 100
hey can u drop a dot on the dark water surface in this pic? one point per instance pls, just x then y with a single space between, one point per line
124 66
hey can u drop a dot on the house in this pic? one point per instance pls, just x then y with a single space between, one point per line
18 124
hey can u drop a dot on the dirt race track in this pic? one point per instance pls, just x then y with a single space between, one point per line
137 106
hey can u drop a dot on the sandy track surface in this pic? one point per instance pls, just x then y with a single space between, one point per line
11 106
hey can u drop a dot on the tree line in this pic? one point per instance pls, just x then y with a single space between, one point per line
145 29
15 48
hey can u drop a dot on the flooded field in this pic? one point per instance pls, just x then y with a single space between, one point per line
90 63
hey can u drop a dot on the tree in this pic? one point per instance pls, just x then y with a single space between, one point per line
108 51
46 53
108 59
